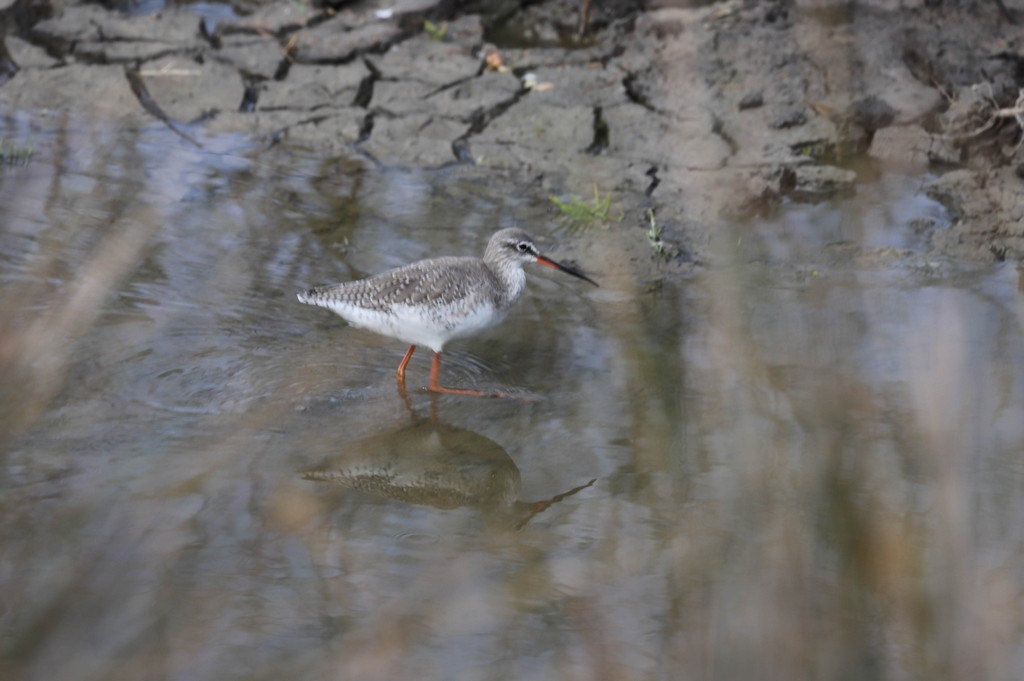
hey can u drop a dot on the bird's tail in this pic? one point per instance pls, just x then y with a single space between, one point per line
315 296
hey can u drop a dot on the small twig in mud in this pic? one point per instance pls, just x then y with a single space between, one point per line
1015 112
289 46
168 70
584 22
942 91
994 115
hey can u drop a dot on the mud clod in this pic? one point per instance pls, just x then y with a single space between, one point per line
751 100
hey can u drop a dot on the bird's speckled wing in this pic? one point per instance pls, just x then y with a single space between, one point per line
440 282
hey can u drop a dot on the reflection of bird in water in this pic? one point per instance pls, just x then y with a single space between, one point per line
431 302
436 465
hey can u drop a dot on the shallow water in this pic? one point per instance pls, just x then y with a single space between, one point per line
803 466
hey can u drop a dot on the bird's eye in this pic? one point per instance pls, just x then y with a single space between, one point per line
522 247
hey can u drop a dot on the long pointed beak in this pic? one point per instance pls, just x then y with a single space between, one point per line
565 268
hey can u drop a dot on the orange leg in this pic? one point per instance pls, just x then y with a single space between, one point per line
435 372
400 374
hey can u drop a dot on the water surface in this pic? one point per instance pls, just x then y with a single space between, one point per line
805 464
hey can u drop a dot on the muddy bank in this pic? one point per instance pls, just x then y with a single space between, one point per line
704 115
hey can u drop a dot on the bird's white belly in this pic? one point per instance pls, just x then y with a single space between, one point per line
417 325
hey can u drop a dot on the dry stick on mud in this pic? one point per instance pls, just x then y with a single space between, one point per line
289 47
1015 112
138 87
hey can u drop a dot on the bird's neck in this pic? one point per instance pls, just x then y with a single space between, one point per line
513 283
